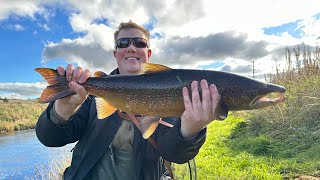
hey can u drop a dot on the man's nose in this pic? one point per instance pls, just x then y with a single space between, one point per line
131 48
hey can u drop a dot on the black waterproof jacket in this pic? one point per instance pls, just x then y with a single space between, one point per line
95 135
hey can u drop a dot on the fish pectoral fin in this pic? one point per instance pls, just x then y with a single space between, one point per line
104 108
147 68
99 74
221 110
148 125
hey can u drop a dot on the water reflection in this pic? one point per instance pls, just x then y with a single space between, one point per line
24 157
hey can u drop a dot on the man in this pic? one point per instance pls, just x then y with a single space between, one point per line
114 148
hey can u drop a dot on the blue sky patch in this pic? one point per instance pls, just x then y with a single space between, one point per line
23 40
104 21
317 16
150 26
151 23
292 29
214 65
156 36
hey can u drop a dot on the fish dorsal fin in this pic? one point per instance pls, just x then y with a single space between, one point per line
99 74
104 108
147 68
148 125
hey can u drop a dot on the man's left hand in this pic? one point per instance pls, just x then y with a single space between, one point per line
198 113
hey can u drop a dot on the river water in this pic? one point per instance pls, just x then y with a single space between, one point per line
22 156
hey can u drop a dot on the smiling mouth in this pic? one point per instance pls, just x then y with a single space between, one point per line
132 58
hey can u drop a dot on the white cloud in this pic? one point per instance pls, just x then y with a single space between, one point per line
219 46
19 7
188 19
24 89
193 32
311 26
243 15
18 27
12 96
44 27
88 55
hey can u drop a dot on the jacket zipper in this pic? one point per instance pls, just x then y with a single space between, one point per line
112 155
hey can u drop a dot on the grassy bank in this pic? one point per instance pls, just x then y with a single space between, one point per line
225 157
279 142
217 160
19 114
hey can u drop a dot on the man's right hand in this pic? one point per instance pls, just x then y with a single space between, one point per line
66 107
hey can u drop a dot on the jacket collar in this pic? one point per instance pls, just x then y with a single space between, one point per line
116 71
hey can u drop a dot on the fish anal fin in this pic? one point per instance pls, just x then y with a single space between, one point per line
147 68
148 125
99 74
104 108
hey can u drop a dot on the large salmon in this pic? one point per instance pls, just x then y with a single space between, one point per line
157 91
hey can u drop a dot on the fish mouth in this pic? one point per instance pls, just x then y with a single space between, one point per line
263 101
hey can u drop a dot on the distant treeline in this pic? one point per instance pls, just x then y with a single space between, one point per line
4 99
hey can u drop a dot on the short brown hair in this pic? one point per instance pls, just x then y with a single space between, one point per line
130 24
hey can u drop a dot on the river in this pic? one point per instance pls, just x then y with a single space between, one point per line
22 156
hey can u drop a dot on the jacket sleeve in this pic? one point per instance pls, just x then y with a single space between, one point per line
174 147
55 135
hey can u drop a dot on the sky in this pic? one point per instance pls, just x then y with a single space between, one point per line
228 35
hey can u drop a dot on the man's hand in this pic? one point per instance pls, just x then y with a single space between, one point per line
67 106
198 114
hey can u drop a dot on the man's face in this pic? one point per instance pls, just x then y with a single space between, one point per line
130 59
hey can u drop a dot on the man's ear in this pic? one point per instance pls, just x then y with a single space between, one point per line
149 53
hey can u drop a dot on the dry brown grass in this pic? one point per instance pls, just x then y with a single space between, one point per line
19 114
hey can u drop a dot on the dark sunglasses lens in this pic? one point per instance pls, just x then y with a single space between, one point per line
140 42
137 42
123 43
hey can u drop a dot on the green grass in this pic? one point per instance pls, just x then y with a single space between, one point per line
216 160
250 157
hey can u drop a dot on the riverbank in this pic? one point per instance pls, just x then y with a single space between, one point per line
18 115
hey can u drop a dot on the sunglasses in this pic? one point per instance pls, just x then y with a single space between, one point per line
137 42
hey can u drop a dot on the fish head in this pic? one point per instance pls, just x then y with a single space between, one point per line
272 94
260 96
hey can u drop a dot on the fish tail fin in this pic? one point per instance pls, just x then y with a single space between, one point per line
58 85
